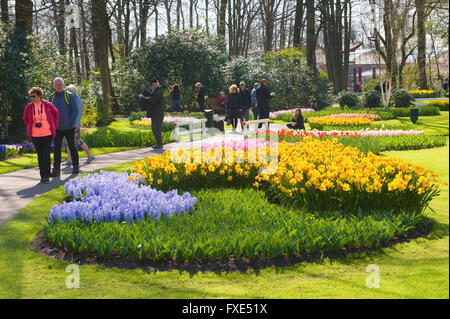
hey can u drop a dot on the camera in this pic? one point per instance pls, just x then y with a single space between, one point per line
38 124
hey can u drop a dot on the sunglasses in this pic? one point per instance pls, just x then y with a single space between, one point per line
33 96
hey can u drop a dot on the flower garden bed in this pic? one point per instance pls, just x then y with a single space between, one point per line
375 141
322 197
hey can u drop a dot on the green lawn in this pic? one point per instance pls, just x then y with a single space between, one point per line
419 269
432 125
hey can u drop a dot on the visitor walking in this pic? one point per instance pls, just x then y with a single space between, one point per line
176 98
245 102
41 118
234 104
68 111
77 128
254 101
155 111
263 96
144 93
201 96
297 122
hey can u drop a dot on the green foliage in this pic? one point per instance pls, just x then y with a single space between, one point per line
423 111
401 98
371 99
179 57
89 92
14 79
443 105
377 144
240 224
348 98
370 85
288 76
104 137
385 114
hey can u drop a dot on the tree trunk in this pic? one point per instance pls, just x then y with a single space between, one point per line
100 34
24 15
5 11
59 16
74 54
222 14
422 44
178 14
310 34
298 23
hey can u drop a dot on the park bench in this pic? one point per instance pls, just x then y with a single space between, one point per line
191 131
247 124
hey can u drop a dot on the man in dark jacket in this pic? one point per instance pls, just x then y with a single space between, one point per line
67 107
245 100
155 111
201 96
263 97
142 94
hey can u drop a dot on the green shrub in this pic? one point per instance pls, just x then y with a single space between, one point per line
442 104
378 144
401 98
423 111
372 99
347 98
229 223
136 116
110 138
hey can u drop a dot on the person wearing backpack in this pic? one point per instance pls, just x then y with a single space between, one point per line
78 141
66 105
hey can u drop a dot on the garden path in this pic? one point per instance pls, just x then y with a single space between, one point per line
19 188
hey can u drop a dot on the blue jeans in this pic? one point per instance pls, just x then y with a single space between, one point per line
176 105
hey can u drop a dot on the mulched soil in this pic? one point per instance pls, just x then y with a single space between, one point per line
41 244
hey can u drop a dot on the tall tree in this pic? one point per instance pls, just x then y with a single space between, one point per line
59 16
311 34
101 43
336 21
422 44
221 23
298 24
24 15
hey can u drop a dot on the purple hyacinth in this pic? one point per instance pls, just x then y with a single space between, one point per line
111 196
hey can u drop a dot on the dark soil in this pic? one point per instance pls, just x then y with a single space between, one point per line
41 244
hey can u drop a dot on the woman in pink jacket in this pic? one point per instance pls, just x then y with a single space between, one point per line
41 118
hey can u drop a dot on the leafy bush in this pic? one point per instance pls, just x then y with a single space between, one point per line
348 98
423 111
244 226
89 92
442 104
401 98
178 57
372 99
380 144
295 85
136 116
109 138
